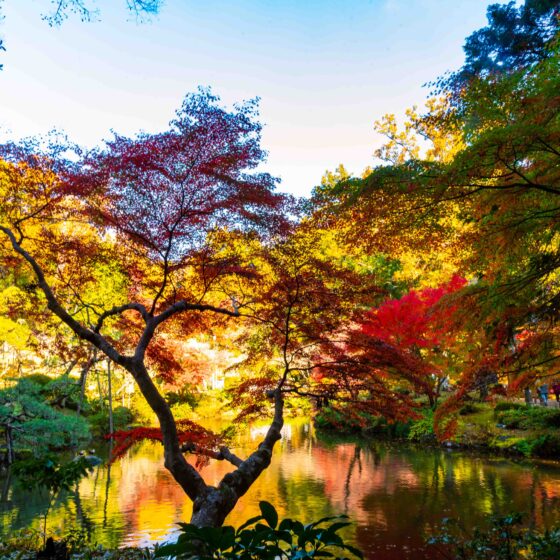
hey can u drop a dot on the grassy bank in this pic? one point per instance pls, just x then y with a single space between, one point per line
503 428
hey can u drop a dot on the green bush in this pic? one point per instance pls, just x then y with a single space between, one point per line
40 379
57 432
182 396
469 408
506 405
423 430
62 391
332 419
39 426
504 539
399 430
289 539
552 419
99 422
529 418
478 435
545 446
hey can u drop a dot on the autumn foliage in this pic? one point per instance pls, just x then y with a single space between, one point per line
440 263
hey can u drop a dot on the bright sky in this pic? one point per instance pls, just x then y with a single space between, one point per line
324 70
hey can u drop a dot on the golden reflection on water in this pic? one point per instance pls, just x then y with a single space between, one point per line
392 493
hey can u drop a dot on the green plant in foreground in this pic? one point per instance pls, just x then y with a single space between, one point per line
289 539
505 539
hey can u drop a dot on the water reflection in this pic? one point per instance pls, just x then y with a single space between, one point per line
394 493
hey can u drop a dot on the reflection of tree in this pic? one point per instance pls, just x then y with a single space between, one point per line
392 493
6 488
356 459
106 502
85 521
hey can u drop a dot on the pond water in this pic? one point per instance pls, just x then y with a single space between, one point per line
394 493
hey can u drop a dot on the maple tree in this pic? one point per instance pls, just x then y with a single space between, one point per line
303 339
419 324
149 206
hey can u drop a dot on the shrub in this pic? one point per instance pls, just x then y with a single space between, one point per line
330 418
505 539
529 418
545 446
478 435
99 422
182 396
552 419
469 408
37 425
399 430
57 432
506 405
62 391
423 430
289 539
40 379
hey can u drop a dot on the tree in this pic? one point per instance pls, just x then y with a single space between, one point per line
306 315
482 197
82 8
150 204
516 36
61 8
420 325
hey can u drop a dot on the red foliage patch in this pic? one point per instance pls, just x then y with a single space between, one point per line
188 432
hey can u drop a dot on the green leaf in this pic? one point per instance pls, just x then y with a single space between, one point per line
227 538
269 513
324 519
337 526
249 522
353 550
169 550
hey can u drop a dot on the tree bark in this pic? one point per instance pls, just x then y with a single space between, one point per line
83 378
213 506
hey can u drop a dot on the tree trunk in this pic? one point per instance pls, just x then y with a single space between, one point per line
212 509
111 425
211 504
83 378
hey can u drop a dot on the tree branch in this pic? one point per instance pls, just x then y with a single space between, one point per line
54 305
240 480
186 306
119 309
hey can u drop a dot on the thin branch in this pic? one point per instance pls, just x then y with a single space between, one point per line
183 305
117 310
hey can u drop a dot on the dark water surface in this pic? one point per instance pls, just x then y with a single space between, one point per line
394 493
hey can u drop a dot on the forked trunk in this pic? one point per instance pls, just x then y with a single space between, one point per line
211 509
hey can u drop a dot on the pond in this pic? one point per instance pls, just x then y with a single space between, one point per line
394 493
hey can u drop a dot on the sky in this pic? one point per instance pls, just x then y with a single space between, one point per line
324 70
